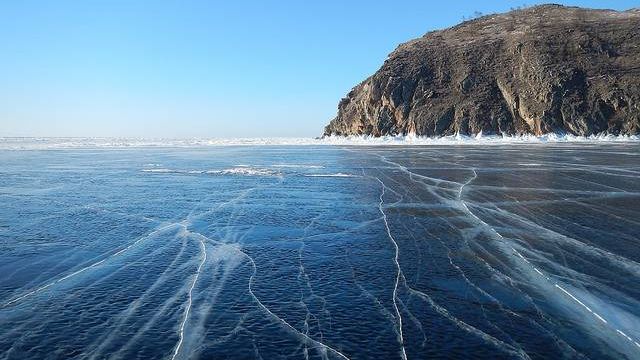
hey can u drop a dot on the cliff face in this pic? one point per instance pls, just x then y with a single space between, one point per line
543 69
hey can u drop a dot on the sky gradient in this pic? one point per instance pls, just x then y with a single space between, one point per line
201 68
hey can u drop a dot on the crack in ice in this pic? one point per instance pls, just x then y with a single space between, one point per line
281 320
492 230
398 271
189 299
91 266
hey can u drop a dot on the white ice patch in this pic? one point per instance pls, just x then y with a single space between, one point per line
237 171
245 171
297 166
478 139
331 175
161 170
14 143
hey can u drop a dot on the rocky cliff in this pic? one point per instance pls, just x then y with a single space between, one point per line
538 70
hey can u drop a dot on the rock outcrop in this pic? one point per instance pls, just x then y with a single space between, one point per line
543 69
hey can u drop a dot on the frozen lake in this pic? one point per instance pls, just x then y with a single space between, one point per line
295 252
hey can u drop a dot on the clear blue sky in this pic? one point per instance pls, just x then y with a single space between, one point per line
201 68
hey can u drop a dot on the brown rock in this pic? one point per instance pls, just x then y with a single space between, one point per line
538 70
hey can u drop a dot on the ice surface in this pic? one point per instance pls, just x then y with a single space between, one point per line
331 175
13 143
240 170
527 250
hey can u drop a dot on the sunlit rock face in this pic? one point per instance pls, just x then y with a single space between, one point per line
538 70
